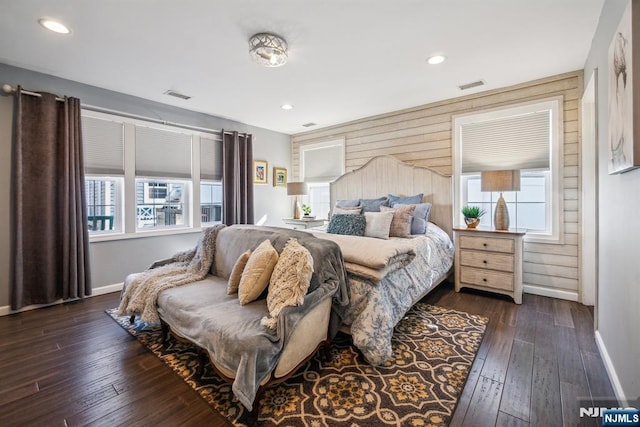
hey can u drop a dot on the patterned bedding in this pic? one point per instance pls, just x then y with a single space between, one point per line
377 306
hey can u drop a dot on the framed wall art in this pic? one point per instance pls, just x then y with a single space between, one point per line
623 62
279 177
260 172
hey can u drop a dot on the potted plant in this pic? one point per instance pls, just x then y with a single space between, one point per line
306 209
472 215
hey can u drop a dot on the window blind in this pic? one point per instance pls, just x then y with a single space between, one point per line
323 164
210 158
162 154
103 143
516 142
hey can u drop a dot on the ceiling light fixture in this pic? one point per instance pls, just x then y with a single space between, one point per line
286 107
268 50
53 25
436 59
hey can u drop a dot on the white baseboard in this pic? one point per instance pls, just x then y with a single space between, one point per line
548 292
5 310
613 377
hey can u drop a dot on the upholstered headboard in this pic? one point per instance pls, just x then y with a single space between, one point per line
385 174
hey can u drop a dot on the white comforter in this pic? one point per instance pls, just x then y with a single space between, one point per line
375 307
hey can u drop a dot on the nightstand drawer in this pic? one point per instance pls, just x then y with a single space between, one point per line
492 261
488 278
487 244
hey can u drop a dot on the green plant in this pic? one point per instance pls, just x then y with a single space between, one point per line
306 209
472 212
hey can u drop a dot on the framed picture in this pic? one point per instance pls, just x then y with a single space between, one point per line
279 177
260 170
623 140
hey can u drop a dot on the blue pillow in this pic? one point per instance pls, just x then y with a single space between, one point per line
373 205
410 200
348 203
353 225
420 216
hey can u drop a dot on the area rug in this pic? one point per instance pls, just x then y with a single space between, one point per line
419 386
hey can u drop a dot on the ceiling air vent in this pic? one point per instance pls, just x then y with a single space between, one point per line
176 94
472 84
308 125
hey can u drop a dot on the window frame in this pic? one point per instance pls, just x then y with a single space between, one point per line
554 186
118 216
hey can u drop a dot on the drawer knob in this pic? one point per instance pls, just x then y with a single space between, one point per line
484 279
484 244
485 261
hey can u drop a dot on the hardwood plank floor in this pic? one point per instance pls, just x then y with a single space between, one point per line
71 365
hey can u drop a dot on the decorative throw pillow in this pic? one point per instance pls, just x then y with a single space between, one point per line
256 274
402 218
356 210
420 217
236 273
289 281
378 224
353 225
373 205
348 203
410 200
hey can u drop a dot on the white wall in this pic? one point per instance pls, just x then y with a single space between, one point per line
618 309
111 261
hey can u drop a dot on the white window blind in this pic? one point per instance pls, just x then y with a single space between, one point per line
515 142
162 153
103 142
210 158
324 163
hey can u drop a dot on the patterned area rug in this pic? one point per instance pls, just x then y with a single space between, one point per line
419 386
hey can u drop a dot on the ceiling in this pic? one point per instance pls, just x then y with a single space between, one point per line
347 58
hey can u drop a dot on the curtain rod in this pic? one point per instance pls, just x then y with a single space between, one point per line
7 88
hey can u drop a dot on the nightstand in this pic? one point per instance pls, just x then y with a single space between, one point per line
302 223
489 260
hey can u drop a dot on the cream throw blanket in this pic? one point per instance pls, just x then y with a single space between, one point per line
140 295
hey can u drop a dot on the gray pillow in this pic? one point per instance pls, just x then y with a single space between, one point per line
420 217
410 200
373 205
348 203
353 225
378 224
356 210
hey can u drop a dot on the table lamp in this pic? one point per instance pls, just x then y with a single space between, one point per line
506 180
296 189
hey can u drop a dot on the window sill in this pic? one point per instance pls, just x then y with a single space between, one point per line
141 234
542 238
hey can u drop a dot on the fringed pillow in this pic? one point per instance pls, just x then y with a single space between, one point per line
289 282
236 273
256 274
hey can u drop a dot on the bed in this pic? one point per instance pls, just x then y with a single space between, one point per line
384 285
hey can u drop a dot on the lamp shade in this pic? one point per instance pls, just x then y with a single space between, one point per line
507 180
296 188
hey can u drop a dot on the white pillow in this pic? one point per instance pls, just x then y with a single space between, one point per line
378 224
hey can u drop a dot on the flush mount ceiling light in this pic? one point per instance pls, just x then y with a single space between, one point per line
268 50
436 59
53 25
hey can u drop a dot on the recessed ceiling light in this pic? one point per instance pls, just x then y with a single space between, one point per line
436 59
286 107
53 25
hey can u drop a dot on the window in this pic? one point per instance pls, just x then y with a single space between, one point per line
527 137
210 202
160 188
321 164
103 202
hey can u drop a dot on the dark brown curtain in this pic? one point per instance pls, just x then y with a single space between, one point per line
50 244
237 178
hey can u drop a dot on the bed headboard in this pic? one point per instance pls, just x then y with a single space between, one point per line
385 174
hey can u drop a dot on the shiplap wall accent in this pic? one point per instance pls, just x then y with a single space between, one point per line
423 136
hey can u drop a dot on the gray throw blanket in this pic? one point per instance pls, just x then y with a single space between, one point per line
140 297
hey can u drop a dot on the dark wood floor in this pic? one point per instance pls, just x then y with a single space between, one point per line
71 365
